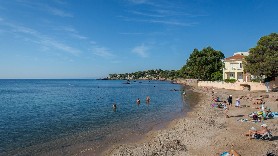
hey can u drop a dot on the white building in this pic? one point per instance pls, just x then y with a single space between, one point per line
234 69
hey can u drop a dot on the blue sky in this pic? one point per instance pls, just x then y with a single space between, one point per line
92 38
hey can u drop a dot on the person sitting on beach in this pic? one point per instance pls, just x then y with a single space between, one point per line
269 113
258 102
217 99
252 133
255 117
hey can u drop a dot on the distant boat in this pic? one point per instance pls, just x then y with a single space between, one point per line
127 82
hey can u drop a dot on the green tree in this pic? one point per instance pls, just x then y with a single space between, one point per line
202 64
263 59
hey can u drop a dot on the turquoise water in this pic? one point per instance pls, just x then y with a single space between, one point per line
38 117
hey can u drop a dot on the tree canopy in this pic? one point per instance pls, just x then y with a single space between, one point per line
148 74
263 59
204 65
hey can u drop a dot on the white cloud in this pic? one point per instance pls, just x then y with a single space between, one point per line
134 33
171 22
162 12
60 46
34 36
147 14
69 29
138 1
102 52
42 6
58 12
78 36
141 50
165 22
72 32
93 42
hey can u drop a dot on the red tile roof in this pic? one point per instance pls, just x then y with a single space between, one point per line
235 57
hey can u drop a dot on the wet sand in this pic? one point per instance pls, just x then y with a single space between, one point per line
205 130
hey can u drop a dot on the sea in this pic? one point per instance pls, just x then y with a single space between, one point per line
75 116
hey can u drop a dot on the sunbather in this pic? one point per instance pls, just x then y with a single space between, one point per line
253 132
231 153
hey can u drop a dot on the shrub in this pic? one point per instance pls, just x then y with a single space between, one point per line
230 80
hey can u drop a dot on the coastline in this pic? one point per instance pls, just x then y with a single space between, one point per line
205 130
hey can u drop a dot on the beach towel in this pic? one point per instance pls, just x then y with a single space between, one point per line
225 154
275 114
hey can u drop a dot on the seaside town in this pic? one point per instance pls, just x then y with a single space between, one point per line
138 78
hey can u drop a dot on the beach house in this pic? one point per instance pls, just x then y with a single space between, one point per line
233 67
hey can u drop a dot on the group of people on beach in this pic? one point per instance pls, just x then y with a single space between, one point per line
262 133
227 104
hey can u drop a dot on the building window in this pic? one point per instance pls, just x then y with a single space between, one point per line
231 74
240 65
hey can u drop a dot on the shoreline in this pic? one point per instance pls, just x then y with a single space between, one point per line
189 100
205 130
140 138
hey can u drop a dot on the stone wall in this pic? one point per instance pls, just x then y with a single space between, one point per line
190 82
253 86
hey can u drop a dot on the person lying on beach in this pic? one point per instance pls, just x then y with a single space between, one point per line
258 102
231 153
253 132
217 99
234 153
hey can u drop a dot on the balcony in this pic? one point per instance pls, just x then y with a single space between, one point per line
233 69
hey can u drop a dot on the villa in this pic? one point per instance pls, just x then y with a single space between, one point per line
234 69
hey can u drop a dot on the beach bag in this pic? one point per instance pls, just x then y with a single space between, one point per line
257 136
270 115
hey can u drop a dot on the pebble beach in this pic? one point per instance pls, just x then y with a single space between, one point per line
205 130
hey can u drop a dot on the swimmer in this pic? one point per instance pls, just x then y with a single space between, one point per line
114 106
138 101
148 99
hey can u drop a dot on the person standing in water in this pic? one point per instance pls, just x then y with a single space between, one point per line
114 107
138 101
148 99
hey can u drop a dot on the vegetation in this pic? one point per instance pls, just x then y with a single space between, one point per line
157 74
204 65
230 80
263 59
207 64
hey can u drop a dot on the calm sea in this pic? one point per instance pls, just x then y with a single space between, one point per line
64 117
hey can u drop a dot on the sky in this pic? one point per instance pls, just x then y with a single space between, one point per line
94 38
